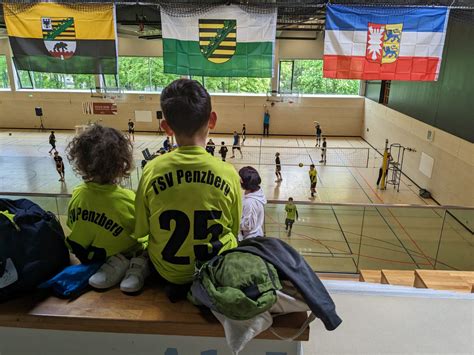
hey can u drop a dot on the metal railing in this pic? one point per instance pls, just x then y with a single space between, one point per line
348 237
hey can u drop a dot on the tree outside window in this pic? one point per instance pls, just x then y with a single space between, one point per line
4 82
143 74
235 85
55 81
308 78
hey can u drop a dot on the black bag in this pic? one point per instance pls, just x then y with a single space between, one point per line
32 247
425 193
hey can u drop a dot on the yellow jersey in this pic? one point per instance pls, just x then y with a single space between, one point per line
190 204
313 176
102 220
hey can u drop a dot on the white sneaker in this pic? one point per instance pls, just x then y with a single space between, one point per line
137 272
110 273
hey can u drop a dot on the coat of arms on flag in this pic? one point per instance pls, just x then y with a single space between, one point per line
53 37
59 36
217 39
224 41
384 43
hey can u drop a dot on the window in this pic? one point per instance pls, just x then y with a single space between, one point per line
143 74
4 82
55 81
235 85
306 77
286 76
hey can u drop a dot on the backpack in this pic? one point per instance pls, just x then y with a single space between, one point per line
32 247
237 285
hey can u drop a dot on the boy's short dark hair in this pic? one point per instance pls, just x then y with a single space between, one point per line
101 154
290 199
312 166
186 106
250 178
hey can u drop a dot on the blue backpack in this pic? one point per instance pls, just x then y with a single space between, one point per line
32 247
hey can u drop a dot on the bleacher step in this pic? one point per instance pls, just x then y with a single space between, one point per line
373 276
441 280
398 277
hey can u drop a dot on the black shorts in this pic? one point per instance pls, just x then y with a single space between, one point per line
278 168
313 185
131 130
236 147
289 222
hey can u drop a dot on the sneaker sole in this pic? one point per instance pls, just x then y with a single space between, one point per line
131 290
102 287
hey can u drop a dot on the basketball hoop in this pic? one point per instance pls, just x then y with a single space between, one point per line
291 97
113 94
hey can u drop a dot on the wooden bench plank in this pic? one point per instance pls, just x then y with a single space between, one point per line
373 276
112 311
467 276
440 280
398 277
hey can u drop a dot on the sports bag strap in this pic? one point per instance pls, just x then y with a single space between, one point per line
10 217
298 332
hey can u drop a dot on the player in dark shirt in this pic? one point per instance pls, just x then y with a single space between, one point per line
223 151
52 141
323 151
131 130
59 165
236 145
210 147
278 167
167 144
318 134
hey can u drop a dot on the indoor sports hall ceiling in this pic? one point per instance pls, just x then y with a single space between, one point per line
297 19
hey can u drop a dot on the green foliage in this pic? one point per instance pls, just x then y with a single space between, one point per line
143 74
235 85
308 79
4 84
285 75
56 81
146 74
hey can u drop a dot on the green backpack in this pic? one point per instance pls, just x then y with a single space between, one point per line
238 285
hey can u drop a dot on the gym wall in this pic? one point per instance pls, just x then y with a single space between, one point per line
63 110
338 115
451 179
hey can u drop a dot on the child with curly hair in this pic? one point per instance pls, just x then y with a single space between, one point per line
101 214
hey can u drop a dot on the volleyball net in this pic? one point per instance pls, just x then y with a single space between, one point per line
293 156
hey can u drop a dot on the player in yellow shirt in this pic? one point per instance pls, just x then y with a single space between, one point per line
291 215
313 178
189 202
101 214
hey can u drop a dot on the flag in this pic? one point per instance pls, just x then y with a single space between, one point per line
224 41
61 38
384 43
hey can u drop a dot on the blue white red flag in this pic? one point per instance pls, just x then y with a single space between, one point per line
384 43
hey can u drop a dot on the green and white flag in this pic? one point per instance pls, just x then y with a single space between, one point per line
224 41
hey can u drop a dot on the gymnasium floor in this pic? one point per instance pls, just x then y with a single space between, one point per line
332 238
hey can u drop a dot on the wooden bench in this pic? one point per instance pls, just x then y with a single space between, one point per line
373 276
441 280
398 277
113 311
